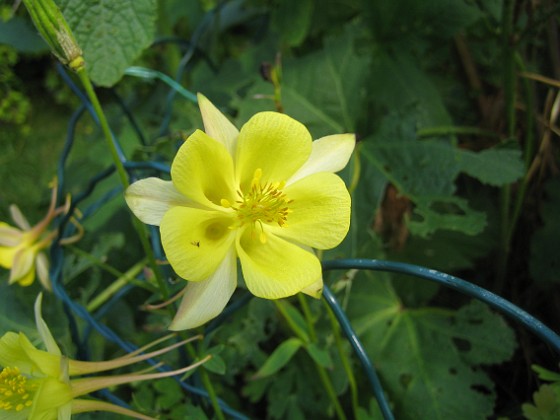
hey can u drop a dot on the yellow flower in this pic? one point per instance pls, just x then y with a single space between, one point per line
266 194
21 249
38 385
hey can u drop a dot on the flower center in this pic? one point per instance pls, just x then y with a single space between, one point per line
16 393
263 203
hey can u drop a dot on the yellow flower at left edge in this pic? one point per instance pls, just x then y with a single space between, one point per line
21 247
42 385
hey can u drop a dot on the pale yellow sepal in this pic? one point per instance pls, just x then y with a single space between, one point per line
217 125
314 290
328 154
206 299
150 198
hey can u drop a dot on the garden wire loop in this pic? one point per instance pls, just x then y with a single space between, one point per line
73 309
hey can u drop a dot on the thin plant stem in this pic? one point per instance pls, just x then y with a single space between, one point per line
207 384
343 357
138 226
211 393
118 284
451 130
528 152
308 317
509 89
323 375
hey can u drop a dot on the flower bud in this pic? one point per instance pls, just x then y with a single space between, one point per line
52 26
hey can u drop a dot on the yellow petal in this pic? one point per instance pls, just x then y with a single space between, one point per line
216 124
274 143
205 300
150 198
203 171
43 328
26 280
320 211
9 236
7 254
276 268
196 241
314 290
17 351
42 266
51 396
328 154
19 218
23 270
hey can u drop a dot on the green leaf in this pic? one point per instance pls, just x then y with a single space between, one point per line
292 19
481 336
545 374
494 167
415 168
445 213
428 357
547 404
397 83
279 357
216 364
425 172
111 34
319 355
325 90
14 315
19 34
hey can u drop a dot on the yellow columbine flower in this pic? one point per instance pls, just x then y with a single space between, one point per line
39 385
21 248
266 194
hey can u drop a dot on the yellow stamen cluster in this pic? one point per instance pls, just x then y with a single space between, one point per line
15 391
262 204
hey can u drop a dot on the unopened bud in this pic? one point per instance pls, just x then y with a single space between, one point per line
52 26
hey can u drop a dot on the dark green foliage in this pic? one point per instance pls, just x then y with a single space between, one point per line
437 179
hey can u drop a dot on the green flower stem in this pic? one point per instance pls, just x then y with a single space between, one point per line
529 148
308 317
210 389
138 226
96 261
344 358
207 384
449 130
280 305
122 281
305 337
509 89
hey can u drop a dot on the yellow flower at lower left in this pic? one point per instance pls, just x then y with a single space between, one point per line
46 385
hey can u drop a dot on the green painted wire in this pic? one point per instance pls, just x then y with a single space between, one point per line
360 352
455 283
149 74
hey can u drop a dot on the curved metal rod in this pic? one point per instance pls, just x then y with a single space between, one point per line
455 283
360 353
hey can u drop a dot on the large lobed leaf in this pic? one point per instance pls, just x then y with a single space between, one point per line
428 358
112 34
